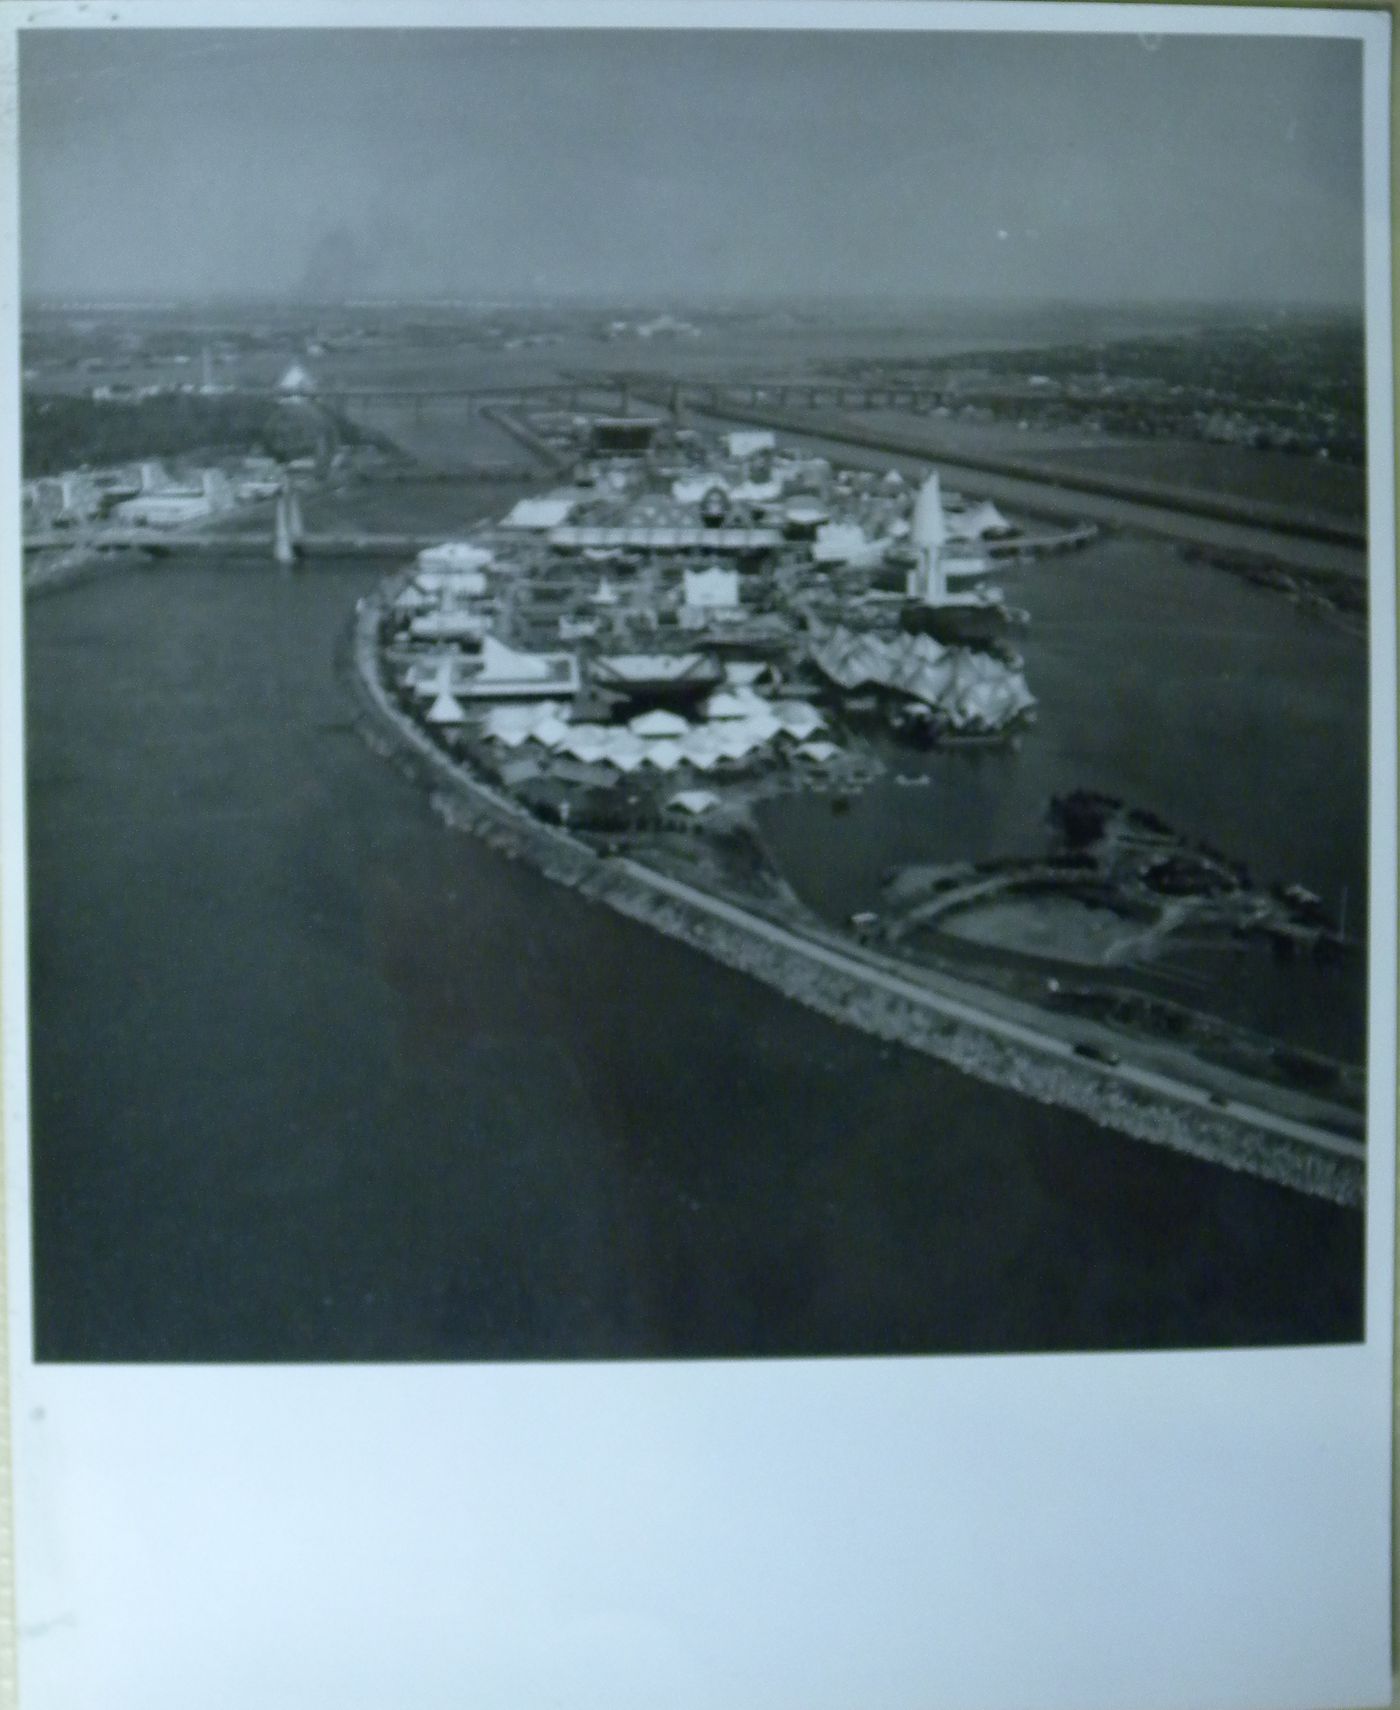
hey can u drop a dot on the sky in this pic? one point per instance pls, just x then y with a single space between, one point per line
673 166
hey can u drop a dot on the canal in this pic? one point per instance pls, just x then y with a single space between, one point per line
317 1078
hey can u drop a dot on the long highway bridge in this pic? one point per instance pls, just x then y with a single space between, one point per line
1280 535
586 391
781 405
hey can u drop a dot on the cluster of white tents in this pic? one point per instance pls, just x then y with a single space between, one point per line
786 474
844 541
442 599
692 489
737 724
974 691
497 673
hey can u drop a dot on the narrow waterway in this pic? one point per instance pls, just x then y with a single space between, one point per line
315 1077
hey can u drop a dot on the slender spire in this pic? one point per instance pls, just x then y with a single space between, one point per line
928 532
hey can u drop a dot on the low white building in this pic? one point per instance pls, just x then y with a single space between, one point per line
169 507
539 515
455 555
710 596
749 442
448 625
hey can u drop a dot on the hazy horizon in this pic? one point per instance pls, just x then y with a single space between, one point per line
517 168
757 303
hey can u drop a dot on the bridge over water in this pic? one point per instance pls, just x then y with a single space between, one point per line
1280 533
589 391
243 544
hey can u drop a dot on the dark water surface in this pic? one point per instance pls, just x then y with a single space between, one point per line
1239 718
316 1078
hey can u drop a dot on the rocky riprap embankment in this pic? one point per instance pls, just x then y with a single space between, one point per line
844 995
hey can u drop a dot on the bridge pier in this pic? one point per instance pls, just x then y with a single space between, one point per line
288 531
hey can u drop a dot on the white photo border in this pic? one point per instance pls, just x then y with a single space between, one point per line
1180 1530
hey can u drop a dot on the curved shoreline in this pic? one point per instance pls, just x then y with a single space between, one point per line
824 974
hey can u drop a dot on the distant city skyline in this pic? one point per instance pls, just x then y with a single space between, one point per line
632 166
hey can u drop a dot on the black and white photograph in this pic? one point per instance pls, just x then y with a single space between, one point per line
701 692
670 716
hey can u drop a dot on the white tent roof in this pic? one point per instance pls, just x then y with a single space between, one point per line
734 703
797 718
703 739
695 801
447 626
978 522
549 730
644 667
757 492
658 723
844 543
446 709
736 740
744 672
455 555
522 721
542 513
585 742
664 755
761 726
498 660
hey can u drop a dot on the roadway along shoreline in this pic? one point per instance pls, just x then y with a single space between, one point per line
959 1009
973 1030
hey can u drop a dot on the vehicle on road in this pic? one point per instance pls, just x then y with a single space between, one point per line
1096 1053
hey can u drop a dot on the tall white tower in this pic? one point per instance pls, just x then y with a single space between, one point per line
928 531
286 527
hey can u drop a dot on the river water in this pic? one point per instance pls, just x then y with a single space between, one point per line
1237 717
315 1077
